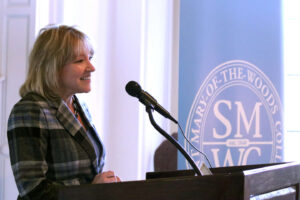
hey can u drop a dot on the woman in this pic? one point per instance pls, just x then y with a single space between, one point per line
51 138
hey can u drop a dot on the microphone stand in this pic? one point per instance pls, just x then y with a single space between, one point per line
149 110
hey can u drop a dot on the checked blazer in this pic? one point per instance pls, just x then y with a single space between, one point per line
49 148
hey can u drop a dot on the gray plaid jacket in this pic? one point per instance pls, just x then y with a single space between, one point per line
49 148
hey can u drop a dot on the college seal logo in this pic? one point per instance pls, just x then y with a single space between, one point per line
236 117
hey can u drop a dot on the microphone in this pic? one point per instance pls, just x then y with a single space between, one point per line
135 90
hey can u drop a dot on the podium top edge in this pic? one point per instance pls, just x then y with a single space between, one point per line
276 166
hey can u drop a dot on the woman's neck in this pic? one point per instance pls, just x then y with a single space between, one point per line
68 100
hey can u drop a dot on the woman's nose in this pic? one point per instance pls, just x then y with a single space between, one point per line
90 67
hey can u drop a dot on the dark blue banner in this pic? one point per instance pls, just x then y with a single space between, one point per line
231 81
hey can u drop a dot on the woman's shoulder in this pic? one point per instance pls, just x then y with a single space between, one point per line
30 110
31 102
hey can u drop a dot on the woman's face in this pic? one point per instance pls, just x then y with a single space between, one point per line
75 77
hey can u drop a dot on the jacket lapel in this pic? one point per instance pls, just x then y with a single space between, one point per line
72 125
83 108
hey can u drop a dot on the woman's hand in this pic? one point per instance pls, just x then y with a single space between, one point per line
106 177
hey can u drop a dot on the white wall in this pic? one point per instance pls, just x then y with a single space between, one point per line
291 32
17 22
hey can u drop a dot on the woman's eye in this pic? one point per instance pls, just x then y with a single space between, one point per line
79 61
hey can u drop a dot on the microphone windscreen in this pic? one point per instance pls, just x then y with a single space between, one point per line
133 88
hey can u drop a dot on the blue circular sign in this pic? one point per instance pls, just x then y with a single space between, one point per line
236 117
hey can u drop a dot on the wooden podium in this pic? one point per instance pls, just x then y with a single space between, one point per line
269 181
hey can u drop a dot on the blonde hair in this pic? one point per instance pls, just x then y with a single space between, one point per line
55 47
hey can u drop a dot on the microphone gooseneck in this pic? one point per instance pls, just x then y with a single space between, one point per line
135 90
173 141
